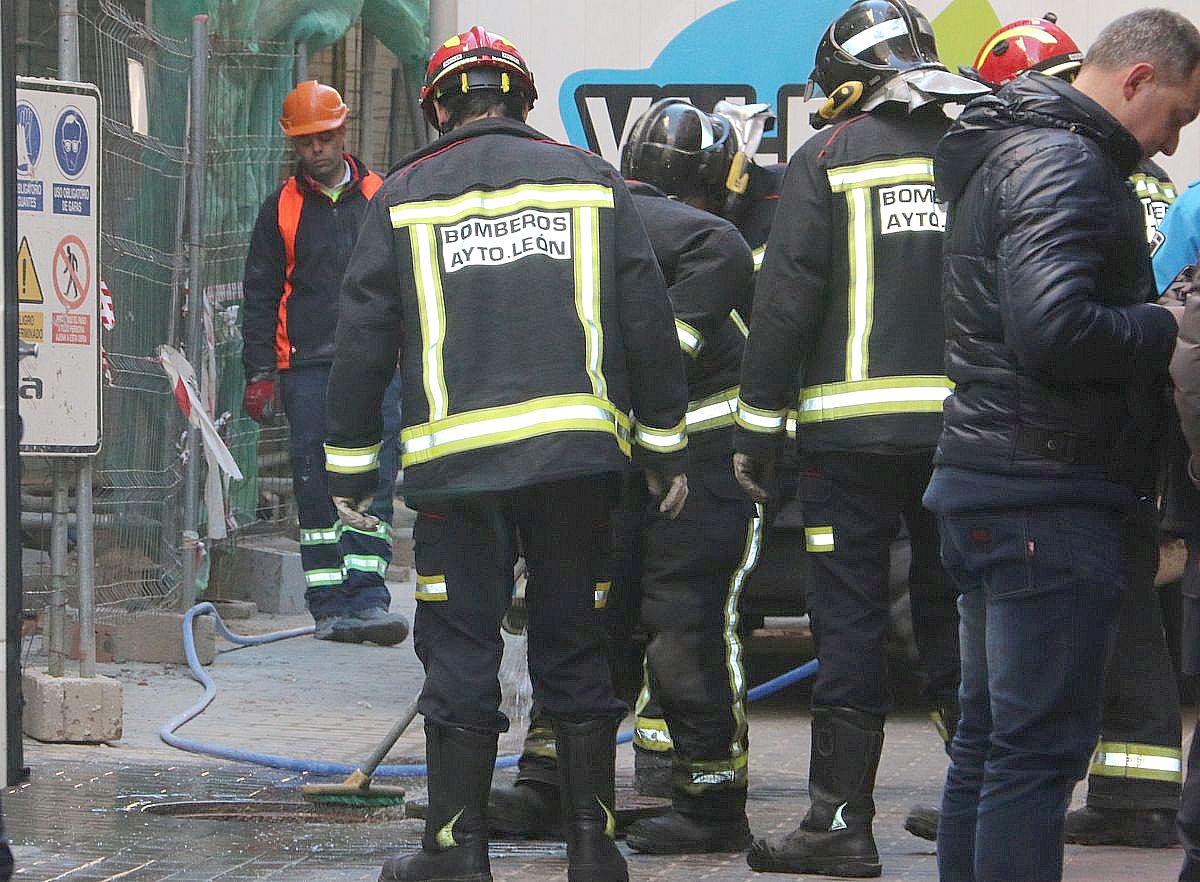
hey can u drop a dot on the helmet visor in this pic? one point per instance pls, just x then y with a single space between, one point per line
879 36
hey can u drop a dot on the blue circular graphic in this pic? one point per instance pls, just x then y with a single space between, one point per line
29 138
71 142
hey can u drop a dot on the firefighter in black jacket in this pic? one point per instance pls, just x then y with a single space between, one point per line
1136 774
516 421
298 253
691 571
850 290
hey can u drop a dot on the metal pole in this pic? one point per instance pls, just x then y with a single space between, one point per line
300 65
194 339
68 40
85 552
56 624
23 41
366 118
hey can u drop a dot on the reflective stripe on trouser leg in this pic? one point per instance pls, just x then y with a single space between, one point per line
1147 762
650 730
366 555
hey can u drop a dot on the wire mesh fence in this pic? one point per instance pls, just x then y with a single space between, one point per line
143 77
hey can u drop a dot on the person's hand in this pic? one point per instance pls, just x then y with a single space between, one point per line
258 401
672 497
353 512
751 474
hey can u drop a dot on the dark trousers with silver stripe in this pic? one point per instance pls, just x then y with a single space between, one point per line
1138 762
853 507
692 572
344 570
465 550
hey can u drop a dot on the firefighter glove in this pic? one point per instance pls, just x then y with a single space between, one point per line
353 512
753 473
670 491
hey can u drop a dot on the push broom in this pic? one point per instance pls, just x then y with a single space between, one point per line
357 789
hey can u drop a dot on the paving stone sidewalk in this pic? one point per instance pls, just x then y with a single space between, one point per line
80 817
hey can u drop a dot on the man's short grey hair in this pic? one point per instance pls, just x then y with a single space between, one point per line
1160 37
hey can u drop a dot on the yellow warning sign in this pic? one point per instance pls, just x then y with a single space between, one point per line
31 327
29 288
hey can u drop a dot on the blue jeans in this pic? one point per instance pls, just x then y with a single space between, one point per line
343 568
1039 592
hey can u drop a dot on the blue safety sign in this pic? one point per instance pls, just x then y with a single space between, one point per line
71 142
29 139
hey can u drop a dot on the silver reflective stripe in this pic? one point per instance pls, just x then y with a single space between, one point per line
861 284
503 425
587 293
318 578
433 326
319 537
911 170
874 396
479 202
756 419
690 340
352 461
649 438
704 413
873 36
366 563
758 254
1139 761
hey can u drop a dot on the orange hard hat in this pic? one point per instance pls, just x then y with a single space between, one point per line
312 107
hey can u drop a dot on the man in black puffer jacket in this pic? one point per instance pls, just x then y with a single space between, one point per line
1058 356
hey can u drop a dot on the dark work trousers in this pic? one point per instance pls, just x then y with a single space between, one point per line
343 568
622 612
692 572
465 550
1138 763
853 506
1189 803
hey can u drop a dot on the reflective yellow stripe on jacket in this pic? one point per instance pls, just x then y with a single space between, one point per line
838 401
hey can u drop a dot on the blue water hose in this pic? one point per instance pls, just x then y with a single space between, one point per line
317 767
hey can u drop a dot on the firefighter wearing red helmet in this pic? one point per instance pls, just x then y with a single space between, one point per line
539 357
848 299
298 253
1136 775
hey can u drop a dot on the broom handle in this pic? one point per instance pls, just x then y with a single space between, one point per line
368 768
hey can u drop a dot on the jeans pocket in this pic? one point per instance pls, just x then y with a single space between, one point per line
1010 554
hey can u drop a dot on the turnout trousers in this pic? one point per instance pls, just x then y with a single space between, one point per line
465 549
853 506
692 572
343 568
1138 762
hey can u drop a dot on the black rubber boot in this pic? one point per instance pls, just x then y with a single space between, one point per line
455 845
922 820
652 772
526 810
1134 828
713 822
835 838
587 755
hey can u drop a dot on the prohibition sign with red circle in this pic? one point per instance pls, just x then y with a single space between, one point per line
70 284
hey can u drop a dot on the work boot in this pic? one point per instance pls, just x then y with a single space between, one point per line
709 822
455 845
1135 828
652 772
835 837
922 820
587 756
376 626
526 810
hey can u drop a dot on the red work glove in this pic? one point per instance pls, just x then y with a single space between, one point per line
258 401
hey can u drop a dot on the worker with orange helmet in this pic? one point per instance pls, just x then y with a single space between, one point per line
540 360
298 253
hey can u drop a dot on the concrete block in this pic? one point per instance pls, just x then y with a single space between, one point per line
148 636
230 610
265 570
77 710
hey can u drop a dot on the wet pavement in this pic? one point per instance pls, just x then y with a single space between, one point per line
82 815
